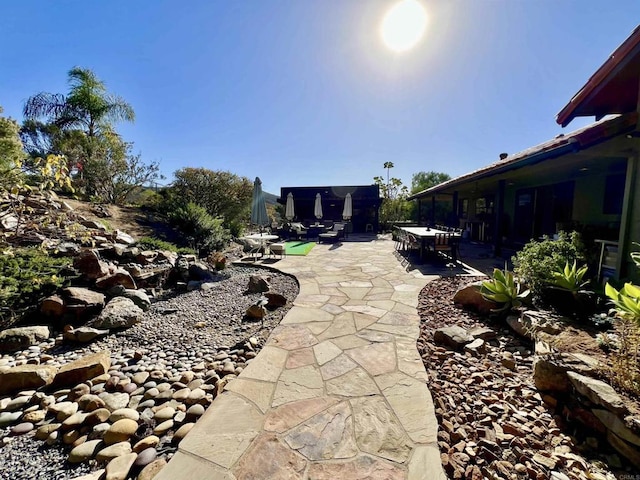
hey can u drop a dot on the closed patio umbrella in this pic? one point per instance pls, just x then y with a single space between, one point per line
317 208
347 211
289 211
258 207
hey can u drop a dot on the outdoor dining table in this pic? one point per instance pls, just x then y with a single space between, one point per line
263 238
426 235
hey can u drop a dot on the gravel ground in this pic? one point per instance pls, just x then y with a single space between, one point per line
179 333
493 421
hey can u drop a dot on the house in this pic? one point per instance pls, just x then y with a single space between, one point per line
585 180
365 200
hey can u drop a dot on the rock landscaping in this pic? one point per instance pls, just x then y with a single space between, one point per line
121 404
511 408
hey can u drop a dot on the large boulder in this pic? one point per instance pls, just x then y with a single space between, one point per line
26 377
20 338
550 371
88 263
597 392
83 297
139 297
470 298
52 306
532 322
199 271
258 284
122 238
83 369
118 276
120 312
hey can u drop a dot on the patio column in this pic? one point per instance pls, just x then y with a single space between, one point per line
628 228
455 209
433 210
499 213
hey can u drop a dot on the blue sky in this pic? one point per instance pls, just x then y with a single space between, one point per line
303 92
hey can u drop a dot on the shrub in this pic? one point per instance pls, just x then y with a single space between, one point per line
201 230
152 243
537 261
27 276
626 359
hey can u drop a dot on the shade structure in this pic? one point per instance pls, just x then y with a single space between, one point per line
258 207
317 208
347 211
289 211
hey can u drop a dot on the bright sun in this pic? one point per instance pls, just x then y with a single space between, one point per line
403 25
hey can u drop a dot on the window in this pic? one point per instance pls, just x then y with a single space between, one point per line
464 208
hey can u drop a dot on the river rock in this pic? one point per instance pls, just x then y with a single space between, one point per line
113 451
85 451
182 432
148 442
164 414
146 456
151 470
120 431
22 428
45 430
118 468
163 427
123 413
115 401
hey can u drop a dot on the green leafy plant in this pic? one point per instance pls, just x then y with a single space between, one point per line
27 276
570 278
626 300
537 261
503 289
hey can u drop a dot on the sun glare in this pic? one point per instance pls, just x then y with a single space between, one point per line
403 25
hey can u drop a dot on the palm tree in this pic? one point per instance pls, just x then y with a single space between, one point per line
388 166
88 106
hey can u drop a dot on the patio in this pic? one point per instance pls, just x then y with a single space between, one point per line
338 391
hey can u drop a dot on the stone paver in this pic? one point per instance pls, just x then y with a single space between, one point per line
338 391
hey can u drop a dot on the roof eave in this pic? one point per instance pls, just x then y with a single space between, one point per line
614 63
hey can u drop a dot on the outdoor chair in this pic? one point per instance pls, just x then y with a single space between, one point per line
412 245
253 247
333 235
442 243
278 249
298 230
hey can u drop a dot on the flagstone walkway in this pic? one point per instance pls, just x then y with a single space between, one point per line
339 391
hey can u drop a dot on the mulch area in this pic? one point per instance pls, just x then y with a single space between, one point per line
493 423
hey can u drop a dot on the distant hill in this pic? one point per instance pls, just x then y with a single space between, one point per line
270 198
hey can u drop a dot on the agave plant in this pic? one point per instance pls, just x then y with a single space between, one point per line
626 300
503 289
570 278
